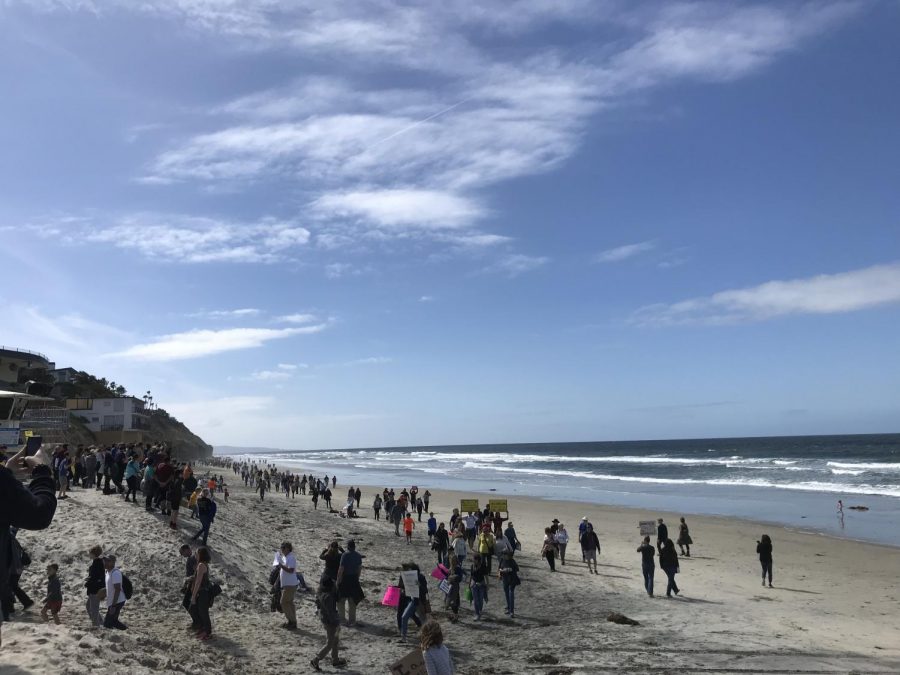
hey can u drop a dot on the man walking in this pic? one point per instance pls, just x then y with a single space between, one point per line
287 576
348 588
115 594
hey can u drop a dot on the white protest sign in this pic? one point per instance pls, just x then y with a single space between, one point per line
411 664
648 527
411 583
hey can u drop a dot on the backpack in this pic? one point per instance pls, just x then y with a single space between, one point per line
127 588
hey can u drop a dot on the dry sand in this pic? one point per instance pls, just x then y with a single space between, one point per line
834 607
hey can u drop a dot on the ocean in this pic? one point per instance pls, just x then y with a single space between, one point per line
794 481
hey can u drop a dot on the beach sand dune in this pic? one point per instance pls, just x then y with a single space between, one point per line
834 607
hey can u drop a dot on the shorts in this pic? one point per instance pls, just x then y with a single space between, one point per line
590 554
53 605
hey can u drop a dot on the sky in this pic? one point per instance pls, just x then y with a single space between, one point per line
354 224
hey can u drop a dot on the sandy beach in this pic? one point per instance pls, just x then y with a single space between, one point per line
833 608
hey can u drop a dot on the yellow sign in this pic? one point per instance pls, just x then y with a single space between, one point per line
29 434
467 505
498 506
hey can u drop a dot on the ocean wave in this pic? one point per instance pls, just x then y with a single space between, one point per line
875 466
848 472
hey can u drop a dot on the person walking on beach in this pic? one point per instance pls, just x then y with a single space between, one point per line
420 506
764 549
662 534
648 565
115 594
261 489
478 584
326 495
408 525
397 517
376 507
411 600
201 597
187 587
94 584
510 534
287 565
668 561
441 543
358 496
451 601
590 547
460 547
426 498
326 601
206 512
485 546
562 540
348 588
436 655
684 538
54 600
332 557
432 527
174 497
548 551
509 575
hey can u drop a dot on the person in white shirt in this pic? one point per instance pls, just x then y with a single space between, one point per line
115 594
289 582
562 539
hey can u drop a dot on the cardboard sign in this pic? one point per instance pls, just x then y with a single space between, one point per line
498 506
411 664
467 505
410 583
648 528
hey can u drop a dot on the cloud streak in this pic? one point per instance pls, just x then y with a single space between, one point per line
204 342
823 294
621 253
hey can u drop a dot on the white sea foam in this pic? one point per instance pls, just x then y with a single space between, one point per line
875 466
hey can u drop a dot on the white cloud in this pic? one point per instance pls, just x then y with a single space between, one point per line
370 361
226 313
823 294
197 343
185 239
292 366
426 298
400 207
514 264
269 375
624 252
297 318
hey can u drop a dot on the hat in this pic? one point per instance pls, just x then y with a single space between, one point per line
554 521
585 518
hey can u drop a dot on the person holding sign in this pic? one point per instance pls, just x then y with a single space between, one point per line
414 594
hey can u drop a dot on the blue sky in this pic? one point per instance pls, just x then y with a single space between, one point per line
307 224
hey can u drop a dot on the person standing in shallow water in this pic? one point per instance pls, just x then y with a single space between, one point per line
684 539
764 549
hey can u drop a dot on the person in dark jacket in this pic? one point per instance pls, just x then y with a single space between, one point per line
411 606
764 549
668 561
30 508
648 566
332 557
326 600
96 581
662 534
441 544
684 538
206 512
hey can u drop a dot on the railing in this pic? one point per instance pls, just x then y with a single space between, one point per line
24 351
112 427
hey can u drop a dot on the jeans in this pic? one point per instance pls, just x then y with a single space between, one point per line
132 488
510 592
93 609
333 634
112 617
648 579
672 586
204 530
766 569
409 613
562 553
479 593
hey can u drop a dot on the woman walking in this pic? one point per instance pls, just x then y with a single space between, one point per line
96 581
412 601
478 584
562 539
376 506
509 575
451 601
590 547
200 595
684 539
764 549
668 561
549 549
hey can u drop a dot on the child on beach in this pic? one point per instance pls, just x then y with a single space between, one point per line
226 495
53 603
408 525
437 656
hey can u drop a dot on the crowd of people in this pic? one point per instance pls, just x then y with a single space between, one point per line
469 549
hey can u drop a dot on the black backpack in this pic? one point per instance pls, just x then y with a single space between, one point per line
127 588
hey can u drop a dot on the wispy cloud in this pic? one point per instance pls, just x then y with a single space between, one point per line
227 313
401 208
370 361
184 239
514 264
269 375
291 366
297 318
198 343
624 252
823 294
426 298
